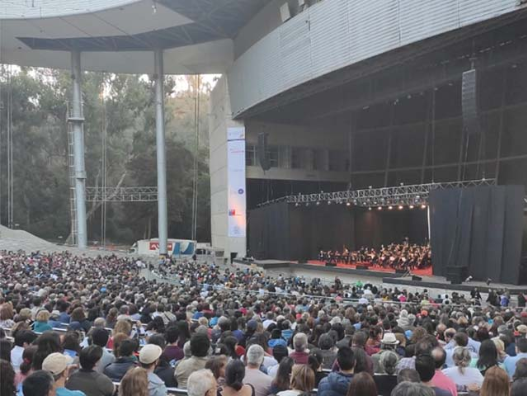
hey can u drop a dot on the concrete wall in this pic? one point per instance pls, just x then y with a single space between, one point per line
220 119
333 34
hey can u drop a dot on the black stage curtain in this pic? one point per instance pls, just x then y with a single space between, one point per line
269 232
479 229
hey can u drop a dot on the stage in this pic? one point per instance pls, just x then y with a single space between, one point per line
387 277
374 268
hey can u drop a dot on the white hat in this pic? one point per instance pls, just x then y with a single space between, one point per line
389 339
150 353
56 363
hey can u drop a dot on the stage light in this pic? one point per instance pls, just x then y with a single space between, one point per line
379 208
423 206
369 208
411 207
401 207
348 204
296 204
329 202
390 207
318 202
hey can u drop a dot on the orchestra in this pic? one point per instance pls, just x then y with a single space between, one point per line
395 256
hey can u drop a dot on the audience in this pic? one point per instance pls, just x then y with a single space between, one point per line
86 379
134 383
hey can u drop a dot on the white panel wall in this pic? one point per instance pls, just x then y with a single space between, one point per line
220 120
337 33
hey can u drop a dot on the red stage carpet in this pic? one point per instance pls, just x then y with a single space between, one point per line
417 272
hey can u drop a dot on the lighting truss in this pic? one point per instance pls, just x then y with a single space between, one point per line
381 197
121 194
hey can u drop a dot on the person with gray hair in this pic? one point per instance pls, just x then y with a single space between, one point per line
387 380
202 383
407 388
301 354
461 374
253 376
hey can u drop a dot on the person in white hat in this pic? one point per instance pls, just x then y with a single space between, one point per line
59 366
388 343
149 358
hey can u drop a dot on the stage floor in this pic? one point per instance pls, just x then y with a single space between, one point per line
374 268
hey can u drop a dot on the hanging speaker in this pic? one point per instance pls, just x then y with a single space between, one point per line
469 102
262 151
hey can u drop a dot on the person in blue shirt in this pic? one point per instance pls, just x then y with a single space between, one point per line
62 307
510 362
59 366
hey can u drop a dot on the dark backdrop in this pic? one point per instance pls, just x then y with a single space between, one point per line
479 229
283 231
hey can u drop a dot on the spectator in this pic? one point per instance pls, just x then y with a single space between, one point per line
496 383
388 380
412 389
7 379
163 369
87 379
461 374
173 352
337 383
326 345
23 339
149 358
100 337
199 347
260 381
57 364
47 343
202 383
362 384
521 369
134 383
281 382
279 353
126 360
425 367
217 365
6 316
302 381
488 357
301 354
519 387
25 367
39 383
521 350
234 385
388 343
440 379
41 323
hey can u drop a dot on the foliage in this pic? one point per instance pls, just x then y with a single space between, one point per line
124 106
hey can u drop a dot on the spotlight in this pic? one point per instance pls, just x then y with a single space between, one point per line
329 202
411 207
379 208
369 208
423 206
390 207
296 204
348 204
318 202
401 207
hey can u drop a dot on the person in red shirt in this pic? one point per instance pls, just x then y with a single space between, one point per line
300 355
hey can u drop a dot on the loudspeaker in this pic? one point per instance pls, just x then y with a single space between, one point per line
417 278
329 264
362 267
262 151
469 102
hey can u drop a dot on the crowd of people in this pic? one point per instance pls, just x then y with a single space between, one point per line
395 256
74 325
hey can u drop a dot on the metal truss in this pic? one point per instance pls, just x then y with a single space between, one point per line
121 194
410 195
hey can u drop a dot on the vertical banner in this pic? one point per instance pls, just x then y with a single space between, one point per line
236 182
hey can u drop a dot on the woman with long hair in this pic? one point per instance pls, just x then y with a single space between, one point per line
488 357
184 333
283 376
302 381
362 384
496 383
234 386
134 383
25 367
47 343
217 365
315 362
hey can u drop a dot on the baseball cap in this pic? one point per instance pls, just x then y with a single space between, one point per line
149 353
56 363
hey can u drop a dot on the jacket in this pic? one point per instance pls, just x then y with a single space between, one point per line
116 370
156 387
335 384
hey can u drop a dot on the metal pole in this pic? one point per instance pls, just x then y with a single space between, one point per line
162 220
77 121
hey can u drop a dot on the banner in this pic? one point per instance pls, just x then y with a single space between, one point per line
237 224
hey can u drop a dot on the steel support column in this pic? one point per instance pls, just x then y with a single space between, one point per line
77 120
162 220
